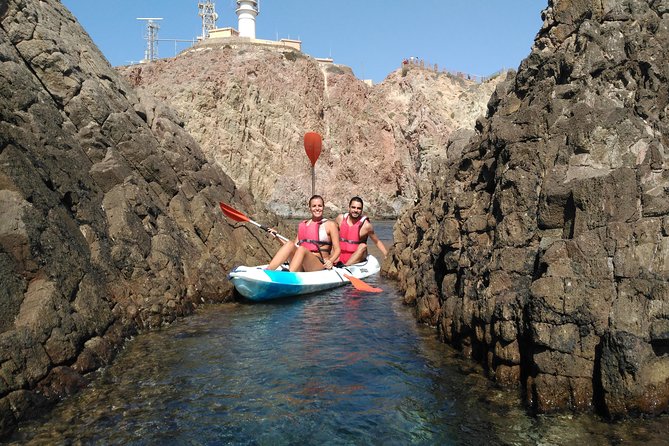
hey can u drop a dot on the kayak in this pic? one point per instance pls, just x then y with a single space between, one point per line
259 284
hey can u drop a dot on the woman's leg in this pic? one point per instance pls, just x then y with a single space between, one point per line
313 262
283 254
305 260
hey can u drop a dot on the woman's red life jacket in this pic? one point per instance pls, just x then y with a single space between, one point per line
349 237
309 236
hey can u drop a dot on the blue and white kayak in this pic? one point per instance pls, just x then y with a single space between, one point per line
257 283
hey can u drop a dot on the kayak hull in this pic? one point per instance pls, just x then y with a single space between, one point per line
258 284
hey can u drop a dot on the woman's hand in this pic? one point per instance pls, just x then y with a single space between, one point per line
275 235
328 264
272 232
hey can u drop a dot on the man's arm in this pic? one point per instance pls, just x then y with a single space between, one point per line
372 235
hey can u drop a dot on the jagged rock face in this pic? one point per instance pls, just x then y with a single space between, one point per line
249 106
108 211
544 250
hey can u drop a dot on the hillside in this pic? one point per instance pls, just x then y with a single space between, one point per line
249 105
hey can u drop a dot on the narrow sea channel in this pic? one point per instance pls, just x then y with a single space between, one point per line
340 368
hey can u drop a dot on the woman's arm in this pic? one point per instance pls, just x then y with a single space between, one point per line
333 232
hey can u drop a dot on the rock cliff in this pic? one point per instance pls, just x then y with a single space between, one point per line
249 106
109 221
543 251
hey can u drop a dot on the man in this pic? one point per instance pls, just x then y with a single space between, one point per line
354 230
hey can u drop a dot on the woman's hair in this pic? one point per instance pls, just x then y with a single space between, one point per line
314 197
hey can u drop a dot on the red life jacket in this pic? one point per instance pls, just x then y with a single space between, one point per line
309 236
349 237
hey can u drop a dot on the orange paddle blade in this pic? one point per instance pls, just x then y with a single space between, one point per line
362 286
233 213
312 145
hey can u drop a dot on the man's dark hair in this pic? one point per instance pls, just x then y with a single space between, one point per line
358 199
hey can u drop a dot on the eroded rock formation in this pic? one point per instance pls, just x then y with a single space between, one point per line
108 211
543 251
249 105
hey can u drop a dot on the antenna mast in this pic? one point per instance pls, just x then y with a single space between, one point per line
207 10
151 36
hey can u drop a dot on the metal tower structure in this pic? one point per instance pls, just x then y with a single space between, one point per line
151 36
207 10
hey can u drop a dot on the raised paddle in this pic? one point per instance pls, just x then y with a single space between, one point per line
313 145
234 214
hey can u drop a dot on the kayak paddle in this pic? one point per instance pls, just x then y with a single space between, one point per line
362 286
234 214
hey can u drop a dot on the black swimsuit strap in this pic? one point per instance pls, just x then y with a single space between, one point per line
316 242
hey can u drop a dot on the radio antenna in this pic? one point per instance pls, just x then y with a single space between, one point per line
207 10
151 36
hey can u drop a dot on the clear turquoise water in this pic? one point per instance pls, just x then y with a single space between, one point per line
338 368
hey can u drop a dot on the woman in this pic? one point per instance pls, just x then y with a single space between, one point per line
316 246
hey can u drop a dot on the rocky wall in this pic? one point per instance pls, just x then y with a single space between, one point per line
109 219
543 251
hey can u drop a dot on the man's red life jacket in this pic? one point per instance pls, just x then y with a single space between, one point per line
349 237
309 236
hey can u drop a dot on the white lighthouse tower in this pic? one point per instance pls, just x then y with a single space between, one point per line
247 10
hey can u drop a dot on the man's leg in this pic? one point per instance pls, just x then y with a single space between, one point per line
359 255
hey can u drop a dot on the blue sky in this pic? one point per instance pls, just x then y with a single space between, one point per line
371 36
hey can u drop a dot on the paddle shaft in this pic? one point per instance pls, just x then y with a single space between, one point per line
234 214
265 228
313 180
